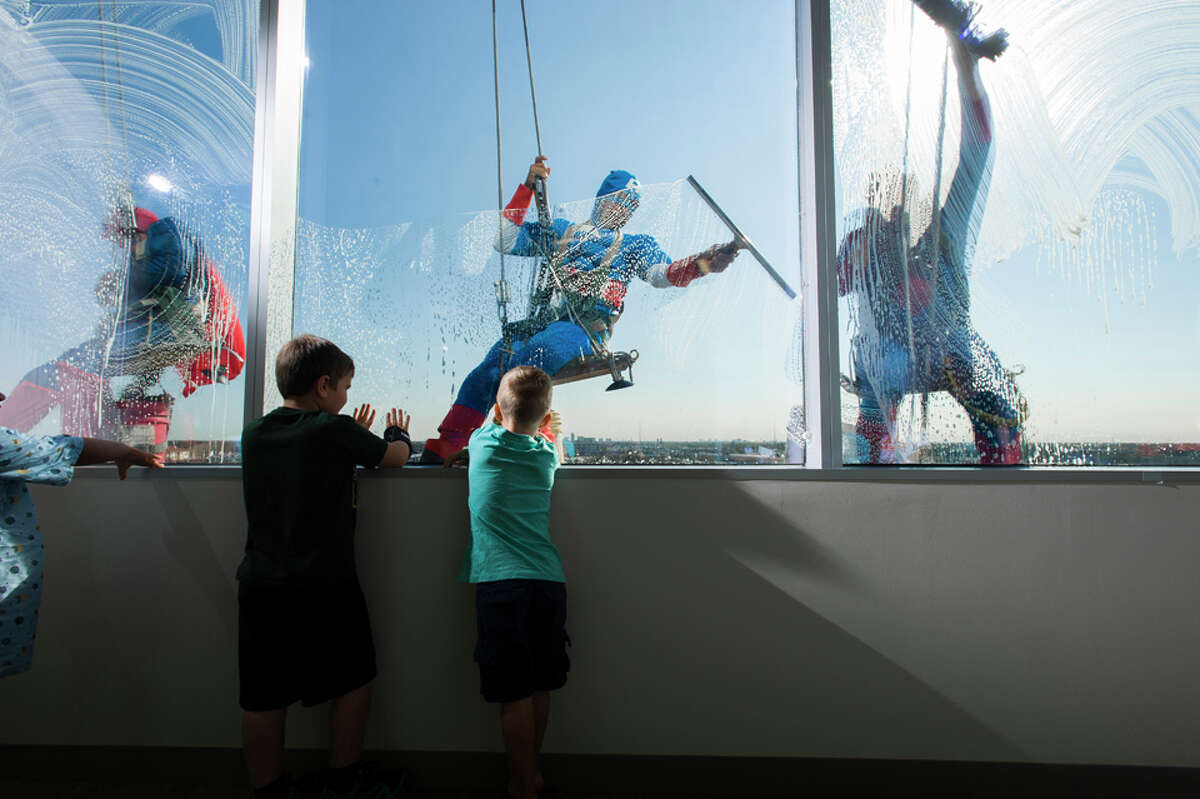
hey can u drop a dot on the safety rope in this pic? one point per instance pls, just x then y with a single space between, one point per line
120 93
532 95
537 277
550 260
123 212
904 236
935 241
502 285
103 78
956 390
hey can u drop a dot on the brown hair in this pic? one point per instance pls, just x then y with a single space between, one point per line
303 360
524 394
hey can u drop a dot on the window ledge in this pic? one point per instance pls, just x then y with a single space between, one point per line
861 474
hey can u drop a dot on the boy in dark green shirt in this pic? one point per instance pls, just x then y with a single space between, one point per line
520 593
303 629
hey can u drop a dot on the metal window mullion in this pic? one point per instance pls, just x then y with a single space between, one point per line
814 70
260 203
273 202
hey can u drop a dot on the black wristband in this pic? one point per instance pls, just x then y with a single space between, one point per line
394 433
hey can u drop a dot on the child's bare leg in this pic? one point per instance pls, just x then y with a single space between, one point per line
541 716
520 740
262 742
348 726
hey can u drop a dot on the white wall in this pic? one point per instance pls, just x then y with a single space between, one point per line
710 616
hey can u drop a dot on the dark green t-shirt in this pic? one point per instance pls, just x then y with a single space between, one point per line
298 482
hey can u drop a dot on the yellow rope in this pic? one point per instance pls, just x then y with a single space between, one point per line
991 418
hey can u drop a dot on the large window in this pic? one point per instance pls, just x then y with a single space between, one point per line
396 255
125 156
1018 266
1014 256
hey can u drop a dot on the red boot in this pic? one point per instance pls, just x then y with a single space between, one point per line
1001 448
454 432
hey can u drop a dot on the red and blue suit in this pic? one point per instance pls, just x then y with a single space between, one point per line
171 310
915 333
594 263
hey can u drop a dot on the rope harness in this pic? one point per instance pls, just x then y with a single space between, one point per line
554 294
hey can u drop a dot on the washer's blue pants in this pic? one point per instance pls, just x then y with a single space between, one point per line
549 349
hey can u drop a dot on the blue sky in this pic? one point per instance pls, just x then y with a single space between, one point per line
400 127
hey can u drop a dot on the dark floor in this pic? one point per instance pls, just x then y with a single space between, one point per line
36 772
45 789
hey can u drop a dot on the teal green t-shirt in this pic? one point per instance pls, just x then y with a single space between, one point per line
510 478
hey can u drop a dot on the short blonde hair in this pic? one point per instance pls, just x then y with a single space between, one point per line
524 394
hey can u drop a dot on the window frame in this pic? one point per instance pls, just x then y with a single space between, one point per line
274 201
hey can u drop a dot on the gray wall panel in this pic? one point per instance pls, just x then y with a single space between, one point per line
849 619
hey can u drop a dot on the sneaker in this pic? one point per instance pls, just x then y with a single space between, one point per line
309 786
372 782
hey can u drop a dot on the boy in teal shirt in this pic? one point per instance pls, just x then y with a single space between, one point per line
520 594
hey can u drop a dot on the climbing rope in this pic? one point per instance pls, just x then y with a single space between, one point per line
935 241
501 285
959 393
116 40
549 261
537 132
904 237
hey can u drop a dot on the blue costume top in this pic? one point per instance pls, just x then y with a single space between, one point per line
162 319
598 261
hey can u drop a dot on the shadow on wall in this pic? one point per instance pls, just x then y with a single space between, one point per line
676 629
684 644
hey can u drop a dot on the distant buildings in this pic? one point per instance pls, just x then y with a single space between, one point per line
585 450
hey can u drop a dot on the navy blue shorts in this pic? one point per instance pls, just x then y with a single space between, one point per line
522 643
306 643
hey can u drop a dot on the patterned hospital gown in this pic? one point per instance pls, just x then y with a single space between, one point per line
25 459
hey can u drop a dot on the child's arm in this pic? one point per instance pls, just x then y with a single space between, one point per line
363 446
399 444
99 450
556 428
552 432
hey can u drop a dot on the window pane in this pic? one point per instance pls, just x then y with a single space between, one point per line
396 257
1017 257
125 162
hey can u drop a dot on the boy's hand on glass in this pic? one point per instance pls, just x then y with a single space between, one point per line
365 415
396 417
458 460
556 423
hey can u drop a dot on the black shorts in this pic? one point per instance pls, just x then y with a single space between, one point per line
522 644
308 643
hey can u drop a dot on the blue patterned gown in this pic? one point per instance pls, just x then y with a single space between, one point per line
25 459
